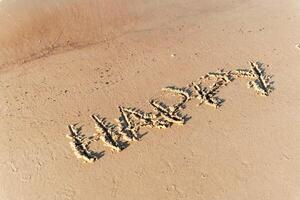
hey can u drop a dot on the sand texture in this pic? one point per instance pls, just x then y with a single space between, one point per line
172 99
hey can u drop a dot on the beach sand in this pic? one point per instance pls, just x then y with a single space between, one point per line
63 61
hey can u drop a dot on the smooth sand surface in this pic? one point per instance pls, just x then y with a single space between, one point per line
62 61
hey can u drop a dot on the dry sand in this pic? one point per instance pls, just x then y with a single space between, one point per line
62 61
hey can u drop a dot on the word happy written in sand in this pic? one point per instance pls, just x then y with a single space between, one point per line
117 137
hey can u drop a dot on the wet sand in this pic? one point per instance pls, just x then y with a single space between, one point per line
60 63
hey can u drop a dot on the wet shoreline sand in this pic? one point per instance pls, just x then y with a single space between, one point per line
246 149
